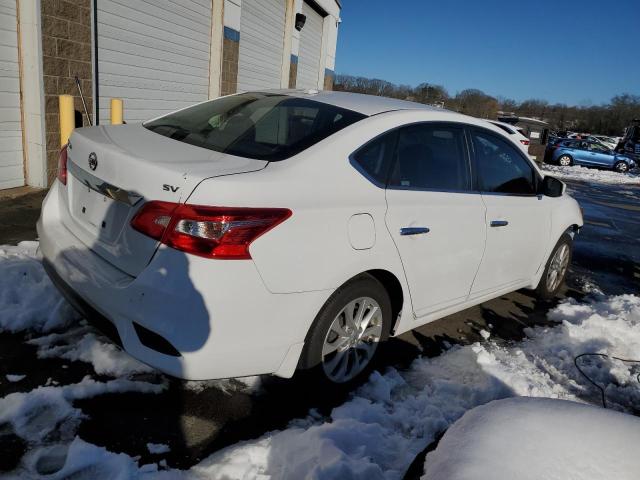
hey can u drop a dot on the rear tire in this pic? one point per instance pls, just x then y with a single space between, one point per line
621 167
556 269
565 160
342 344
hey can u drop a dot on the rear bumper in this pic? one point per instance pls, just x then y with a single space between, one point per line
217 316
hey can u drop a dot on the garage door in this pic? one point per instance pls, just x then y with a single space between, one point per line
154 54
309 53
11 160
261 44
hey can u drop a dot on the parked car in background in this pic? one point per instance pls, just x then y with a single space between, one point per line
568 152
266 232
610 142
517 134
630 143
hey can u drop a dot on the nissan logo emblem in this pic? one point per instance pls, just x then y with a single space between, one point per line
93 161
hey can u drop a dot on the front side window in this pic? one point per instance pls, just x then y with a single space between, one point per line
596 147
500 166
260 126
431 157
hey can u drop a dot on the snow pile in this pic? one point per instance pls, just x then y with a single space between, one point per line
534 438
81 344
28 299
592 175
158 448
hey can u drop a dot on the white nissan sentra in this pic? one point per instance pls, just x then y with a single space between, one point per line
266 232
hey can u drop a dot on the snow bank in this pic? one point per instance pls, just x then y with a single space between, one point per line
592 175
81 344
28 299
534 438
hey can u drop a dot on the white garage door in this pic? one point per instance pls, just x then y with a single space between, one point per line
310 45
261 44
11 160
154 54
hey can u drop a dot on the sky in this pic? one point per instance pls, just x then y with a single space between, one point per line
566 51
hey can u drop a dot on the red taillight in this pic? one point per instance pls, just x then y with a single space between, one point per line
212 232
525 142
62 166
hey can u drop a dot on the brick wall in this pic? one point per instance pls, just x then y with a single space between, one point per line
66 48
230 52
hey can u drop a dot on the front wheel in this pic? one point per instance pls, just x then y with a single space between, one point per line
342 344
556 269
621 167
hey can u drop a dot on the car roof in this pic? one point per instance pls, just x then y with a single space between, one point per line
357 102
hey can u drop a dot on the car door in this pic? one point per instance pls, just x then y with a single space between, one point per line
600 155
434 217
518 220
582 154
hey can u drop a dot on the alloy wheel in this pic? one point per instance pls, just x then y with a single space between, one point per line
558 267
565 161
352 339
622 167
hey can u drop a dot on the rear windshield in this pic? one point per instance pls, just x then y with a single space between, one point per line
261 126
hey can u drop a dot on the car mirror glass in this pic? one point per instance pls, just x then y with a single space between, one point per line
552 187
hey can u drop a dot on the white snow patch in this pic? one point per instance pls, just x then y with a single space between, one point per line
592 175
35 414
81 344
15 378
158 448
28 299
533 438
484 334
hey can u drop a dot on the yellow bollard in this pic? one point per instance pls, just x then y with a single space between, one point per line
116 111
67 118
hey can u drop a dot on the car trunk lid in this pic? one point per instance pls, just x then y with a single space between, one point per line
114 170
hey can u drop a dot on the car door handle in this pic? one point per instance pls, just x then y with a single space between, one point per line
413 230
499 223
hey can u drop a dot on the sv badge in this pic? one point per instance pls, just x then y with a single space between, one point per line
170 188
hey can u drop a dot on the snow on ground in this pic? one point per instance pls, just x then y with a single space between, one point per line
534 438
158 448
28 299
585 174
375 434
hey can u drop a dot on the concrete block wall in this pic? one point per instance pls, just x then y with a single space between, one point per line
66 52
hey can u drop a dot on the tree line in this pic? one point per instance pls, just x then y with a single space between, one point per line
606 119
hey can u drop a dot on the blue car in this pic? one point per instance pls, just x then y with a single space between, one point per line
590 154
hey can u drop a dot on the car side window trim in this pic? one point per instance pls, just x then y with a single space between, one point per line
536 176
466 153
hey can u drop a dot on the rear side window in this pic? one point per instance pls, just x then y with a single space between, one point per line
500 166
255 125
374 158
431 157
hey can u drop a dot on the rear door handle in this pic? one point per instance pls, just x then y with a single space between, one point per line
499 223
413 230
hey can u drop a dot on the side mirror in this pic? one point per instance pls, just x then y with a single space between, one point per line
552 187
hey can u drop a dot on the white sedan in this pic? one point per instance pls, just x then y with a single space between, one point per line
269 232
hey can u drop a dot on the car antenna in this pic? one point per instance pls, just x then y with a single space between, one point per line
84 104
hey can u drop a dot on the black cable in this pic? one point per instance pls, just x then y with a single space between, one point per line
603 355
